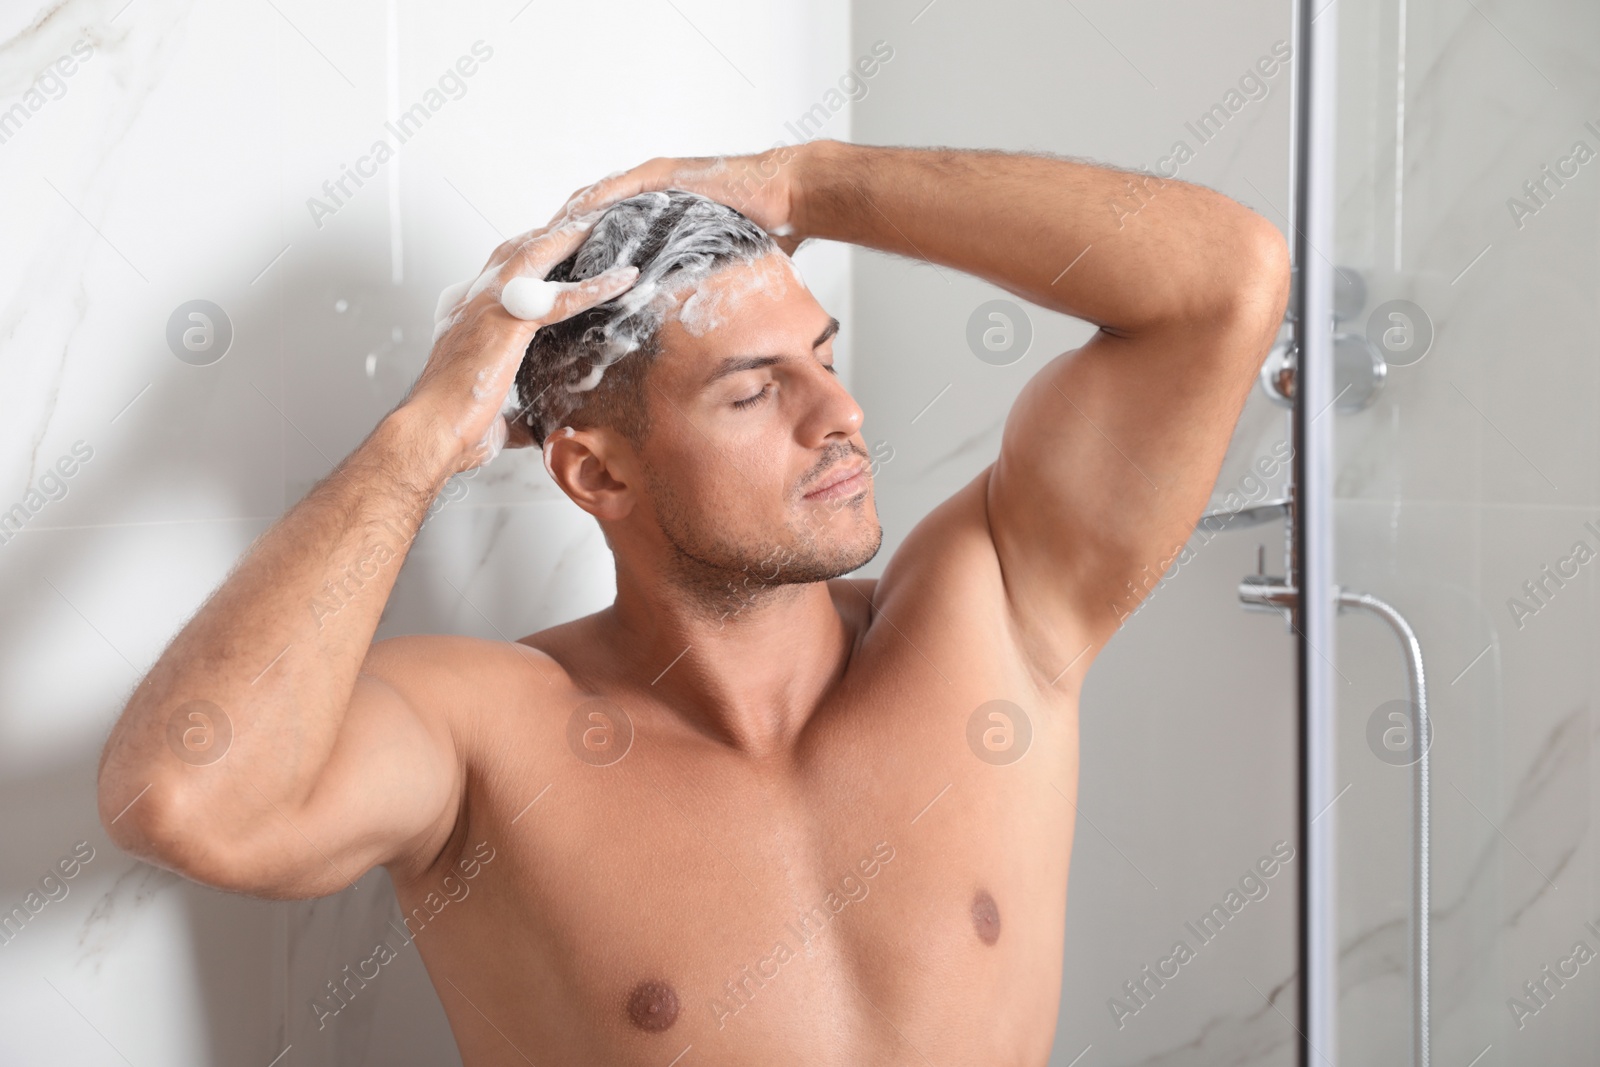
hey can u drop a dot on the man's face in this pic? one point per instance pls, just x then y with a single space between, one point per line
748 424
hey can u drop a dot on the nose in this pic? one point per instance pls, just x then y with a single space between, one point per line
831 413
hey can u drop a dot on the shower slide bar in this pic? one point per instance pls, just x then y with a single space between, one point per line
1263 592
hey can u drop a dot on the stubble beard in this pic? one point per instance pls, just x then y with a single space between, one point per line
728 577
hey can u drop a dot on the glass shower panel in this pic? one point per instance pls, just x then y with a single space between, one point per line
1465 496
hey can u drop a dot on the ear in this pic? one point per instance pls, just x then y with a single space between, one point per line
594 469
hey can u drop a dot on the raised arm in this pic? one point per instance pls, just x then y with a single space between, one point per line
1110 451
273 749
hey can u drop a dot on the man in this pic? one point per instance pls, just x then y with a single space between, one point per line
752 812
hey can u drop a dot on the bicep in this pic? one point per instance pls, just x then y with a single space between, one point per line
1106 460
389 793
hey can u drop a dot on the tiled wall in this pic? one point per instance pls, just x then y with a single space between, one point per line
175 162
1475 468
1472 470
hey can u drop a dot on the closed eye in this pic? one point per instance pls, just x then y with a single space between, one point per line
756 399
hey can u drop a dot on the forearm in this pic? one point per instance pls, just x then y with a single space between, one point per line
1126 251
274 653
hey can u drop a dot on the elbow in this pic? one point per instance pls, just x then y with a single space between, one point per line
166 809
142 819
153 822
1269 270
124 800
1254 285
1228 280
136 798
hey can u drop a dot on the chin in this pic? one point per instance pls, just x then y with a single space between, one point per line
861 552
835 551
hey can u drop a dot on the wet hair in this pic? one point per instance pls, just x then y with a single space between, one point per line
589 370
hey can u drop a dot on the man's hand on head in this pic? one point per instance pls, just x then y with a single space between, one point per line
485 327
766 187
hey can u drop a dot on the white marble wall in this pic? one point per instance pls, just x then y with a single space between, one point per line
1472 470
172 158
1475 469
175 163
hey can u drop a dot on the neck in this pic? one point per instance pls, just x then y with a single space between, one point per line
750 672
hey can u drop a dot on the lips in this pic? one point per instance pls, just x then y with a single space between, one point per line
838 477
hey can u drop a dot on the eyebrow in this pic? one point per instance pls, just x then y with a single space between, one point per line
735 364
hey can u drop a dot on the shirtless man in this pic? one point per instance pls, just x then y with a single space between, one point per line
752 812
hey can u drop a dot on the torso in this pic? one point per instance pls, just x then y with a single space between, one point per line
881 894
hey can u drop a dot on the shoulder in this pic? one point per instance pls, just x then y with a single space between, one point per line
439 664
468 694
948 556
462 685
945 585
952 540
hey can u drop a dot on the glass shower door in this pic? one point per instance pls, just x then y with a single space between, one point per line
1465 494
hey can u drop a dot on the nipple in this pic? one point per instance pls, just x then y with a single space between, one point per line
653 1006
986 917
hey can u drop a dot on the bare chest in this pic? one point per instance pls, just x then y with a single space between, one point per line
898 881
